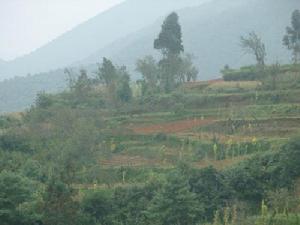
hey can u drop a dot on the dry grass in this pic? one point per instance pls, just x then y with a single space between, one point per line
247 85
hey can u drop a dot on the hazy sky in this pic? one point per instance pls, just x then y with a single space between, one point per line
28 24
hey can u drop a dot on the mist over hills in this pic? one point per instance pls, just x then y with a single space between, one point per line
94 34
211 32
2 62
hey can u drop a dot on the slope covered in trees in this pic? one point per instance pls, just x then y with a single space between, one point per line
210 33
163 151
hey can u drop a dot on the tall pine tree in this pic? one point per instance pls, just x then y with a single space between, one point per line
169 40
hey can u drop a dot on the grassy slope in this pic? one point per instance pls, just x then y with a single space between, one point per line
220 131
204 123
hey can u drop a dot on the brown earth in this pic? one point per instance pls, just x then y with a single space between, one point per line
199 83
172 127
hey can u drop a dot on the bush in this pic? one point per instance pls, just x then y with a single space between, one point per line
279 219
249 73
160 137
98 205
14 142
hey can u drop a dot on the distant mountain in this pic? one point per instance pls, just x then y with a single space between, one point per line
211 32
94 34
19 93
2 62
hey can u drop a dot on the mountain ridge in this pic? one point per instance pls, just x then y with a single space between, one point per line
82 40
227 44
211 35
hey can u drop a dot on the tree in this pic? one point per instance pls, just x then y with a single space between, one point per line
169 40
188 72
275 71
124 91
174 204
211 191
170 69
292 38
252 44
107 72
98 205
130 204
14 192
173 69
43 100
83 83
58 205
80 85
150 72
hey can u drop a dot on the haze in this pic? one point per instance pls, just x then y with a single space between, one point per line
28 24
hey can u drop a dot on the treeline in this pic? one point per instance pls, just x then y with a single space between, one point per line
113 83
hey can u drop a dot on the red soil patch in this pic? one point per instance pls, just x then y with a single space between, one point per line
173 127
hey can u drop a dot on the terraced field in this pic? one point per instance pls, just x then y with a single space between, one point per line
218 123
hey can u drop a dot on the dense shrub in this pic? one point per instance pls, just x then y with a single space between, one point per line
245 73
15 142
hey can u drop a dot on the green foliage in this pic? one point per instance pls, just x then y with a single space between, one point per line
245 73
15 191
173 68
150 72
211 190
252 179
169 40
292 38
8 121
98 206
278 219
175 203
254 45
43 100
169 69
282 201
11 141
107 72
188 72
124 91
58 206
251 73
130 204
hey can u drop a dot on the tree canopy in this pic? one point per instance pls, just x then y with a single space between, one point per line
292 38
169 40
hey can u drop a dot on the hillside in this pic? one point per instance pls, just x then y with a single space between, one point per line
19 93
209 143
101 148
94 34
210 32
